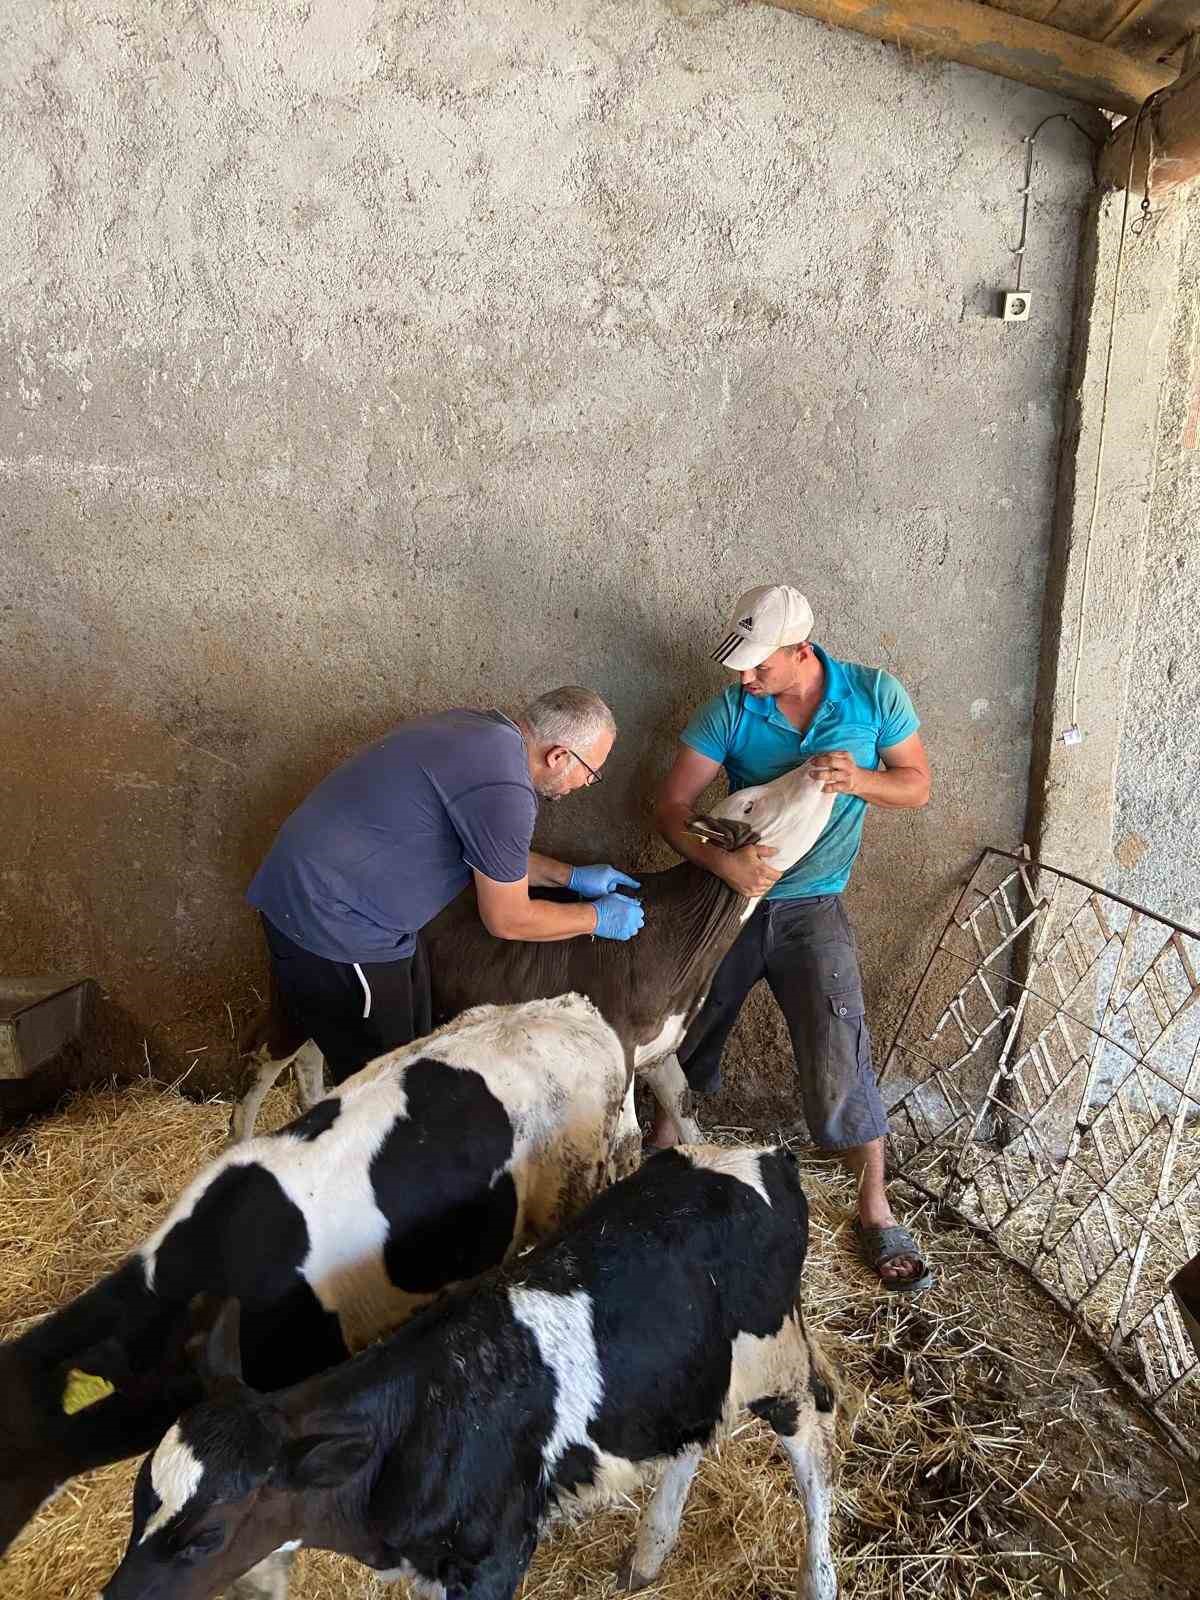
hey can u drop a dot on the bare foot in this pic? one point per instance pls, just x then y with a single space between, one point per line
896 1269
899 1267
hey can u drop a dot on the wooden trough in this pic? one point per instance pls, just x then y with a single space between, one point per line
44 1027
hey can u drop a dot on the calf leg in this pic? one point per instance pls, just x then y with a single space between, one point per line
670 1089
626 1155
308 1064
267 1581
801 1408
810 1453
245 1112
658 1526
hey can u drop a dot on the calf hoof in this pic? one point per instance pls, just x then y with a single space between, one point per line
629 1578
818 1583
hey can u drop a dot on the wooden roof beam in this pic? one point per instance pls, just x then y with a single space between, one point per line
1153 27
995 41
1169 135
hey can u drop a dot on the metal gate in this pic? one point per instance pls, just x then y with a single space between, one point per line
1044 1085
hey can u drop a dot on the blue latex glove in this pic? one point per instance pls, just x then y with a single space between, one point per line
618 917
592 882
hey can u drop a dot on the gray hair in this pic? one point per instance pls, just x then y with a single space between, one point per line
574 718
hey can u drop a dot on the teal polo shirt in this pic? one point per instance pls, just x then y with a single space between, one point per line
864 710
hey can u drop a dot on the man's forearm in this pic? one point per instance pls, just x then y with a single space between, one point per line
547 873
546 920
894 788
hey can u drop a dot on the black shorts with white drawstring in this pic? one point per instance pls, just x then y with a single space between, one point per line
353 1010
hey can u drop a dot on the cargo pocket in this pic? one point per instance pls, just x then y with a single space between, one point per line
847 1021
849 1043
836 1111
847 1004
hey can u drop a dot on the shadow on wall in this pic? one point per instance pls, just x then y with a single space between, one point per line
649 696
140 815
140 793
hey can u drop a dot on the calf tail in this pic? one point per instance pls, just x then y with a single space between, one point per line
823 1381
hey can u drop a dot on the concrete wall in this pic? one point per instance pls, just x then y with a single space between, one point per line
370 357
1156 842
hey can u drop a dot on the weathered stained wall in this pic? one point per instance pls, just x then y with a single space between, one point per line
1156 836
370 357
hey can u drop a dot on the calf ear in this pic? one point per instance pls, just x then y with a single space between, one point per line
215 1348
725 832
325 1460
108 1358
92 1376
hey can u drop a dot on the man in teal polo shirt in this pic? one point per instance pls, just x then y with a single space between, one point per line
794 700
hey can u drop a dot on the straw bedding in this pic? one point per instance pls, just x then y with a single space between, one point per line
971 1414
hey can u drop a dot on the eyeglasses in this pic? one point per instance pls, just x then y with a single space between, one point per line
593 775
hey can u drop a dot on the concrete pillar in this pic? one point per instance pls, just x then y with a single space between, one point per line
1098 549
1098 552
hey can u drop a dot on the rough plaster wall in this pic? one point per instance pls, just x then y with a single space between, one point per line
366 358
1156 839
1098 551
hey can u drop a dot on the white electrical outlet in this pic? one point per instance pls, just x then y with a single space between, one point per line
1014 305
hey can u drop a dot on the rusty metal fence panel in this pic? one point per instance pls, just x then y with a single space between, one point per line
1044 1086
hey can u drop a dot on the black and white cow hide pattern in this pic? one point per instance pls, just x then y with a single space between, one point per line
421 1171
626 1347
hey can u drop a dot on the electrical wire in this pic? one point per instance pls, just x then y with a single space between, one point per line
1029 140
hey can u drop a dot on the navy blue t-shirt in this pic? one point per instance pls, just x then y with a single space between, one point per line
389 837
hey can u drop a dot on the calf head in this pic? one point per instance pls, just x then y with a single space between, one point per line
31 1464
56 1419
228 1484
88 1385
788 815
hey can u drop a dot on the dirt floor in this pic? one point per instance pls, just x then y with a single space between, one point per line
989 1454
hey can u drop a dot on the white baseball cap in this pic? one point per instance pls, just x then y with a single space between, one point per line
764 620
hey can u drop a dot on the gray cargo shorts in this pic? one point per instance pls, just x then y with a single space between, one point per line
807 952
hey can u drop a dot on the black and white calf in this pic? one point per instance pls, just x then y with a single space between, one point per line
667 1310
423 1170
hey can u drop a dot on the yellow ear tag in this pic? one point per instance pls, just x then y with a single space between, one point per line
84 1389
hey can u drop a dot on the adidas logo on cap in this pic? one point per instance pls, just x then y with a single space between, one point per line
767 618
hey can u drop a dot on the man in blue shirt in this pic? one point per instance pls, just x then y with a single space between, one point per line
793 700
397 832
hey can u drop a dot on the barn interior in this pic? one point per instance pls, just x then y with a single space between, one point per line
366 358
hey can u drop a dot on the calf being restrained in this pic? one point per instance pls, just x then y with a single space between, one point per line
649 990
